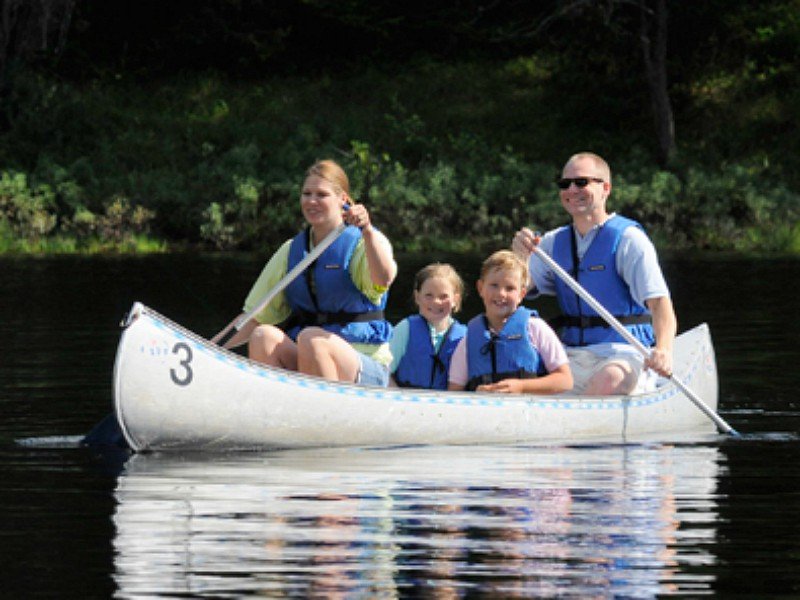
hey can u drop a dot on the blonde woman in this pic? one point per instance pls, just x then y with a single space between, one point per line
329 321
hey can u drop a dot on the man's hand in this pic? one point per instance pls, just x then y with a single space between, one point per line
524 242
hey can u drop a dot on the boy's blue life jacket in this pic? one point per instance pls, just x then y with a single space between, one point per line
492 357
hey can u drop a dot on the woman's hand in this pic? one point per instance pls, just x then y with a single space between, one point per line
358 215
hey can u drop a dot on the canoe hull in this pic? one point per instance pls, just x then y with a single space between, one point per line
175 390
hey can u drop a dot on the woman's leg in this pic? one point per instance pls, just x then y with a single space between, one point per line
271 346
325 354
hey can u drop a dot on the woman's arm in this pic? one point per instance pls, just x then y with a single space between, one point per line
382 267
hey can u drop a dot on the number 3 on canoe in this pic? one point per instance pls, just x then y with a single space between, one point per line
183 376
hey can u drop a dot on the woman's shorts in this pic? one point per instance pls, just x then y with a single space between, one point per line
372 372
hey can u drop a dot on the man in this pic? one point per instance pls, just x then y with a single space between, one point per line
615 261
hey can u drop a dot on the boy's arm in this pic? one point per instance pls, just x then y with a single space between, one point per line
558 380
559 375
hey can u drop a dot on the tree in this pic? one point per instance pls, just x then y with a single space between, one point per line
31 29
653 37
645 20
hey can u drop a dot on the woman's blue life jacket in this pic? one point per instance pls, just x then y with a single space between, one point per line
597 272
421 366
492 357
327 297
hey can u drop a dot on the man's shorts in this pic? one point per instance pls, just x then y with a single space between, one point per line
585 363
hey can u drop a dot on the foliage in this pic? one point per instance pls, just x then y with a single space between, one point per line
31 222
453 146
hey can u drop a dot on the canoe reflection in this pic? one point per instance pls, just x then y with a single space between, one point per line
431 522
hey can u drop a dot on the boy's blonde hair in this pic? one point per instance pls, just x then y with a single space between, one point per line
506 260
330 171
446 272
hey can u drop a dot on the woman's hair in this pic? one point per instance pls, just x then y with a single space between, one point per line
331 172
446 272
506 260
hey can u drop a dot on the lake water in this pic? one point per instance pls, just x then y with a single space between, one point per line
709 516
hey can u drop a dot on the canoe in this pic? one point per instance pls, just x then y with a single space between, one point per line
174 390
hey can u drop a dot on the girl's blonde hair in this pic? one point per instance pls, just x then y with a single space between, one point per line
330 171
446 272
506 260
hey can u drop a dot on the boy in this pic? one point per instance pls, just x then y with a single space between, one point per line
508 348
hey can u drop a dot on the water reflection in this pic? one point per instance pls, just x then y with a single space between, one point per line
632 521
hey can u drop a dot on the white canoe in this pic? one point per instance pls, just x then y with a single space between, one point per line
175 390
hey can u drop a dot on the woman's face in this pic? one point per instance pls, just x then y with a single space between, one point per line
321 202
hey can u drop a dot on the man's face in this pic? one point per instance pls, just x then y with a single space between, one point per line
588 201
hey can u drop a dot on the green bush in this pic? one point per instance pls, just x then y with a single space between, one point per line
441 165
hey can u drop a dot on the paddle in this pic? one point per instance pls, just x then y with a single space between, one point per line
235 327
611 320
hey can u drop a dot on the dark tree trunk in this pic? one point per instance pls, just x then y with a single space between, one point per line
30 29
653 34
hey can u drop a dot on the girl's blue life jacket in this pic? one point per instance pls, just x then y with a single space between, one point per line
421 366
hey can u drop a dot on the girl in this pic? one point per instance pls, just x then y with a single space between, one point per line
422 344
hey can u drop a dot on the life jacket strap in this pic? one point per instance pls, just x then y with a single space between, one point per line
587 322
302 318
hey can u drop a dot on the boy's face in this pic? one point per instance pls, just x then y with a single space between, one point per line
502 292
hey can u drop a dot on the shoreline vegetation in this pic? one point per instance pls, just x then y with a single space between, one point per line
448 156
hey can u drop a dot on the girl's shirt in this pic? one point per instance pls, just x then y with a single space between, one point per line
541 335
399 341
278 309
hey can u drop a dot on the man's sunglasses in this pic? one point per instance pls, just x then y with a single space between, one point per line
581 182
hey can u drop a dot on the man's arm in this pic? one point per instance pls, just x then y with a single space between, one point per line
665 326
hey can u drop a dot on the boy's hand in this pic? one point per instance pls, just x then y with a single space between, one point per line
507 386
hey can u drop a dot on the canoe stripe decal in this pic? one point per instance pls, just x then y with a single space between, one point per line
462 399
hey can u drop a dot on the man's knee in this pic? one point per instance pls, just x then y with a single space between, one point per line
614 378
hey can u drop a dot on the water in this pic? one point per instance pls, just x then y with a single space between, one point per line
703 516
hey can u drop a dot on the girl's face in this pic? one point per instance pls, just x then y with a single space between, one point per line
502 292
437 300
321 202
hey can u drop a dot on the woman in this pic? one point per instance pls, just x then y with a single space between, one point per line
329 321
